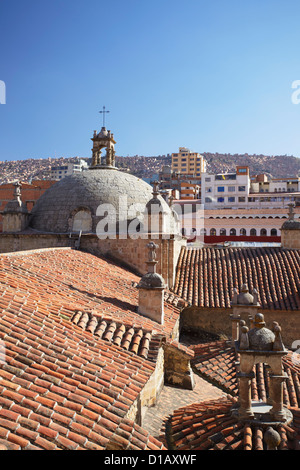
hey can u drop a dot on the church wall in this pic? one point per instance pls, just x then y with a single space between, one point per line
217 321
22 242
132 252
150 393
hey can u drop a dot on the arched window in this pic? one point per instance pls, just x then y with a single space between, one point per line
263 232
203 231
213 232
253 232
82 221
222 231
232 231
243 231
274 232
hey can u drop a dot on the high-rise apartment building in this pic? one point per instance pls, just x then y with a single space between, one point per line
188 163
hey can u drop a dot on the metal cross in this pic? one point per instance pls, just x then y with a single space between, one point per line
103 112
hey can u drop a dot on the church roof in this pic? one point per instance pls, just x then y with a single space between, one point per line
87 191
62 386
206 277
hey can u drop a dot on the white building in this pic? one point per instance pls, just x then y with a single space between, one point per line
59 172
228 190
238 191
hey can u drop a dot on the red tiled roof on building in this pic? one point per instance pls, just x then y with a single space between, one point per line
61 387
210 426
206 277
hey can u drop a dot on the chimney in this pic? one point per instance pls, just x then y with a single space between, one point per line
151 289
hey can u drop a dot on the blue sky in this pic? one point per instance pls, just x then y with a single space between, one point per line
212 76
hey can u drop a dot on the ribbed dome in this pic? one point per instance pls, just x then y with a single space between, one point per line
86 191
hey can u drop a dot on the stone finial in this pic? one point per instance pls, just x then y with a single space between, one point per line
244 338
152 251
155 185
291 212
244 297
17 190
272 438
255 297
235 296
278 343
171 200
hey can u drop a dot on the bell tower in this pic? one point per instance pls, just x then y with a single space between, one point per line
103 140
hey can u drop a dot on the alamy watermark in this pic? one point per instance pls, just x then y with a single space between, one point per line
296 93
2 92
155 219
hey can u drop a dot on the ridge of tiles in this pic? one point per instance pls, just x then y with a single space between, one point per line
217 362
59 387
139 341
210 426
206 277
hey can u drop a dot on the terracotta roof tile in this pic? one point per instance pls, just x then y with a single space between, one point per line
210 426
62 387
206 277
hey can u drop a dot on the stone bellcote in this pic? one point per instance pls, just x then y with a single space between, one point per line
103 140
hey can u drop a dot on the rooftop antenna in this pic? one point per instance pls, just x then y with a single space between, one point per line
103 112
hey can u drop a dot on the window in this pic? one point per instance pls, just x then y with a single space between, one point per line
273 232
208 190
253 232
213 232
231 199
208 199
223 231
242 188
231 189
221 189
220 199
263 232
207 180
243 231
242 199
232 231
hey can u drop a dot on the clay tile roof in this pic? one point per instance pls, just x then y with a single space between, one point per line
217 363
210 426
206 277
61 386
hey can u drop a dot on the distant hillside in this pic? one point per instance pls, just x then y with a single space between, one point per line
144 167
277 166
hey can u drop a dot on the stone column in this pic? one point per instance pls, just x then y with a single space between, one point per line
245 408
276 388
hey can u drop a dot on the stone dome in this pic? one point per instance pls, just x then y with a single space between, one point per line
84 193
